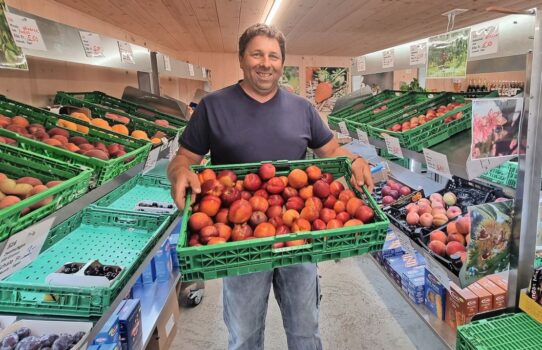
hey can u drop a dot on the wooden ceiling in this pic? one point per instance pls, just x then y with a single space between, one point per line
312 27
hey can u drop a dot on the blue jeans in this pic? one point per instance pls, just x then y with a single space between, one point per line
297 291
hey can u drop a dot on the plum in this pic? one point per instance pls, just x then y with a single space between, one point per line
78 336
29 343
62 343
48 340
23 332
10 341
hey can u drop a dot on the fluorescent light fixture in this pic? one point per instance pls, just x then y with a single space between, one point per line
272 12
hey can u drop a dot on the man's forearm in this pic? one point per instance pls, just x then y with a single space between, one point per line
181 162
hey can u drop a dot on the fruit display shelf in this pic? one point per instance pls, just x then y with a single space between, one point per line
141 111
247 256
365 102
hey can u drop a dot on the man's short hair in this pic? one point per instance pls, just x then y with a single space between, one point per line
265 30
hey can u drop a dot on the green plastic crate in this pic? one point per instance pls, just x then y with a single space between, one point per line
160 169
103 170
430 133
505 174
138 188
141 111
505 332
242 257
135 123
364 102
16 163
404 162
114 238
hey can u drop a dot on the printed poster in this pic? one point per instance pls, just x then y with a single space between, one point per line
11 55
447 54
418 54
484 41
324 85
495 127
290 79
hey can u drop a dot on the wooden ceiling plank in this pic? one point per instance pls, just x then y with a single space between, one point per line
206 14
229 14
184 13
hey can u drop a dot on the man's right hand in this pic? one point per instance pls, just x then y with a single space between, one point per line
186 178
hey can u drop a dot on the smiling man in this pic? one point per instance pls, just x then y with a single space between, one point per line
252 121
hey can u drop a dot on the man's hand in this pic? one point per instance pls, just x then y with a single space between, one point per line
186 178
361 175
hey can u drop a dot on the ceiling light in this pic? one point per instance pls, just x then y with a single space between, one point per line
272 12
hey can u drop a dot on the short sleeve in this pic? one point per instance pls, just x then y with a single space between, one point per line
195 137
320 133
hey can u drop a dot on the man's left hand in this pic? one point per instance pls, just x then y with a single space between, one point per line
361 175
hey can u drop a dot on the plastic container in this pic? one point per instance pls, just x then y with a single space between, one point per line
242 257
363 103
115 238
16 163
505 174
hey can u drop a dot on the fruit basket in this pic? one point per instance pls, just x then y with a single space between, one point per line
253 255
18 211
427 123
132 123
363 103
141 193
505 174
133 151
508 331
141 111
115 238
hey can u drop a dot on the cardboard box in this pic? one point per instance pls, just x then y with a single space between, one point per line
166 325
392 246
485 298
499 295
435 295
449 313
500 282
130 324
464 303
109 334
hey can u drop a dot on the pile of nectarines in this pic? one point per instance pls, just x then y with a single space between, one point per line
13 191
265 204
428 116
453 239
433 212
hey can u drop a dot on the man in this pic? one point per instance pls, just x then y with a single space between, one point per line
254 121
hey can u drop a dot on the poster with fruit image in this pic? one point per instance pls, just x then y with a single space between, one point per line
488 251
495 128
290 79
11 56
324 85
447 54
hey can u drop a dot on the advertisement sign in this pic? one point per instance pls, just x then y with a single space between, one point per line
290 79
11 55
388 58
484 41
447 54
324 85
418 54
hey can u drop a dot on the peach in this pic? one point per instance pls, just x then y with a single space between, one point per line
458 237
412 218
306 192
206 174
314 202
246 195
296 203
327 177
353 204
309 213
259 203
454 247
449 198
216 240
275 185
85 147
9 201
438 210
212 187
329 202
275 199
301 225
37 189
284 180
289 192
463 225
290 216
222 216
275 210
53 183
3 176
339 206
252 182
437 205
227 178
412 207
53 142
343 216
335 188
264 229
345 195
314 173
451 228
424 209
199 220
426 220
267 171
78 140
386 200
210 205
58 131
353 222
437 247
29 180
239 185
327 214
72 147
241 232
276 221
438 236
453 212
318 225
96 153
424 201
365 214
334 223
262 193
435 197
321 189
113 148
9 186
206 233
230 195
440 219
297 179
282 230
241 210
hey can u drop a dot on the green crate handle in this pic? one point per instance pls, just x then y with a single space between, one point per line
290 249
125 221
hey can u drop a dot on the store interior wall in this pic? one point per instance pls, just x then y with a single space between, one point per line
403 76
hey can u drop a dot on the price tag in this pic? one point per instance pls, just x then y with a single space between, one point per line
25 32
22 248
437 163
165 143
437 270
204 72
151 159
362 136
406 244
92 43
167 63
174 147
126 54
393 146
191 69
344 129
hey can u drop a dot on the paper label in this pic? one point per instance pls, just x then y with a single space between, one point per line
92 43
344 129
437 270
437 162
167 63
204 72
418 54
360 63
174 147
25 32
362 136
191 69
22 248
484 41
393 146
388 58
165 143
151 159
126 54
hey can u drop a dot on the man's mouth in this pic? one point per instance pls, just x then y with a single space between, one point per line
264 75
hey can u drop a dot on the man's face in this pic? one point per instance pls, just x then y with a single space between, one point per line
262 65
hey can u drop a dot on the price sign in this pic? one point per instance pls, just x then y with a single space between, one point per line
151 159
362 136
344 129
191 69
25 32
437 163
406 244
126 54
418 54
92 43
437 270
167 63
484 41
360 63
393 146
204 72
22 248
174 147
388 58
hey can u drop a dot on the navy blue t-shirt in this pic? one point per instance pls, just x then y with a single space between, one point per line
238 129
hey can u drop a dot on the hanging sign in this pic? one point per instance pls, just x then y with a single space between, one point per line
484 41
360 64
167 63
388 57
437 163
418 54
126 54
92 43
393 145
25 32
447 54
11 55
191 69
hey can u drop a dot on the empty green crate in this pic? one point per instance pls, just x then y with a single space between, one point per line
160 169
16 163
114 238
140 187
242 257
505 332
364 102
136 123
141 111
505 174
103 170
404 162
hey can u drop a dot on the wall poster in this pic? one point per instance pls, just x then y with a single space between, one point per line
324 85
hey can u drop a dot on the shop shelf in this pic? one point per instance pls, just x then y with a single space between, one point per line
103 170
529 306
236 258
141 111
114 238
136 123
137 189
505 332
364 102
505 174
16 163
